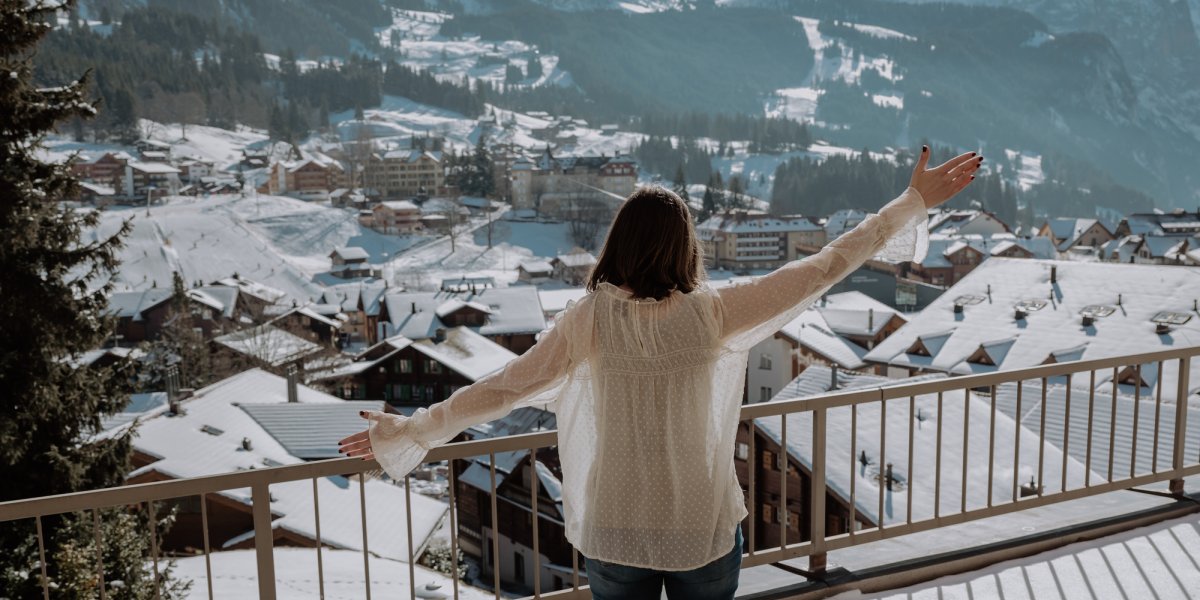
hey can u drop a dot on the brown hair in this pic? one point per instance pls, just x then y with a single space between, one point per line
651 246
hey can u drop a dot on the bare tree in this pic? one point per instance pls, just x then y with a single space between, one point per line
453 220
585 216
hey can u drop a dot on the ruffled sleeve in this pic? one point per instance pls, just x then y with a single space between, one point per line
532 379
750 312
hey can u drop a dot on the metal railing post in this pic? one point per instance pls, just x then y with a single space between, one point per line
817 558
260 498
1181 397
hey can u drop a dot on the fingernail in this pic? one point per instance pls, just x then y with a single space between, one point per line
972 178
972 154
362 413
924 148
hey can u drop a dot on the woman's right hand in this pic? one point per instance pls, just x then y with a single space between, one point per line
942 182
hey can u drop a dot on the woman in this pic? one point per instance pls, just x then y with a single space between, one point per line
645 374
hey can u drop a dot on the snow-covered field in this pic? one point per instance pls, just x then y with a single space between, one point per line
235 576
278 241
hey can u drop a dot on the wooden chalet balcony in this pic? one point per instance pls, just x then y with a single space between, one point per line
901 460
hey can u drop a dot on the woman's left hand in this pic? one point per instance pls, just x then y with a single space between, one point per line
359 444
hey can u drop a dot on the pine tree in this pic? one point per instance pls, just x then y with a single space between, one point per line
680 183
54 288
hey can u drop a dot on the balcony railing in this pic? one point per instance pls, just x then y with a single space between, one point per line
1160 430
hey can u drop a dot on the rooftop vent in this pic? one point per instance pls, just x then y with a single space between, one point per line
246 444
1097 310
1162 328
969 299
1053 274
1088 320
210 430
1019 314
1167 317
958 308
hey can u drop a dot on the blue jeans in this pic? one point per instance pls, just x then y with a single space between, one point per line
718 580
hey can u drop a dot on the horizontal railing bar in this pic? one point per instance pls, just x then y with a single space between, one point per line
872 535
162 490
28 508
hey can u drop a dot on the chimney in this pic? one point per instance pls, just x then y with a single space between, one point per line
958 308
1019 315
292 392
1053 274
1088 320
889 476
246 445
439 335
1162 329
833 377
870 320
414 308
173 390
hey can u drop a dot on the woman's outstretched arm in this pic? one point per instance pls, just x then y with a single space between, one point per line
754 310
399 443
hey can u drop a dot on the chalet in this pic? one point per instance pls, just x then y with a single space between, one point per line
519 476
1162 250
265 347
407 373
312 178
1070 234
147 180
1010 313
320 323
574 266
950 258
254 296
511 317
141 316
534 271
96 194
837 332
396 217
1175 222
842 221
105 169
220 429
966 222
364 309
557 300
349 262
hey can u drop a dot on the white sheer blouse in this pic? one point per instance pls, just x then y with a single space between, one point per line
647 395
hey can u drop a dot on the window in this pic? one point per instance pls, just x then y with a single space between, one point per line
402 392
518 567
768 513
429 390
764 361
768 459
793 520
434 366
764 394
406 365
743 451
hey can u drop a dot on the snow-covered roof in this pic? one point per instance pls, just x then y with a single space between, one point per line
856 322
97 189
351 253
311 430
269 344
812 332
536 266
210 437
842 221
941 247
754 221
1167 247
576 259
554 301
956 416
258 290
1068 230
139 406
219 297
400 205
1124 298
131 305
513 310
453 305
155 168
466 353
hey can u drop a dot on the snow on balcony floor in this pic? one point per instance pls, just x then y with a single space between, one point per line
1159 561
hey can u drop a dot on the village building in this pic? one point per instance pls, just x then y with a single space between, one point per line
1075 234
741 239
142 315
837 331
467 283
870 485
408 374
363 306
1010 313
311 178
405 173
534 271
1175 222
574 267
520 475
147 181
557 185
966 222
320 323
350 262
396 217
225 427
105 169
555 301
511 317
267 347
